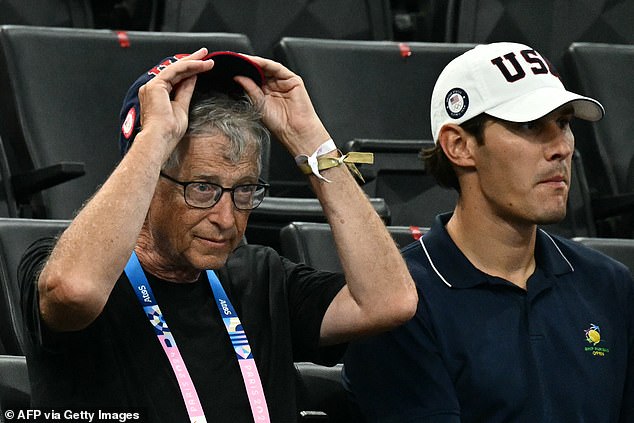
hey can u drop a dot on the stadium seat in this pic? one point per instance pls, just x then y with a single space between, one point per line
605 72
15 391
265 23
398 175
373 90
62 93
266 221
7 201
321 396
546 25
620 249
15 236
312 243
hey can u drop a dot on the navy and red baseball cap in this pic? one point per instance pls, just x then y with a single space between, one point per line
218 80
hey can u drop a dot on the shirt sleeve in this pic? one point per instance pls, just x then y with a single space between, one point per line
29 269
310 292
399 376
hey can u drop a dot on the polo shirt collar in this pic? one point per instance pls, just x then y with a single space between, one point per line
455 270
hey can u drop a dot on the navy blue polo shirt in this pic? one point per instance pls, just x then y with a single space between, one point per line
481 349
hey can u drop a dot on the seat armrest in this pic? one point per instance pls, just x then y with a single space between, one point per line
287 209
32 182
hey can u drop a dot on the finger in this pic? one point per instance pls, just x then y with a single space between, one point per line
198 54
183 92
181 70
253 90
272 68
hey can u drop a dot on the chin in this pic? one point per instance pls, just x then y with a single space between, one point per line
206 262
552 217
203 256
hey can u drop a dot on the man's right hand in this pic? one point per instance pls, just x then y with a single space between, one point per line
165 99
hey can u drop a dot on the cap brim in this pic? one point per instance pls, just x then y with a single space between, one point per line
539 103
227 65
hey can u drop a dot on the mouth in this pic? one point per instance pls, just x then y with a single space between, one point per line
556 180
213 242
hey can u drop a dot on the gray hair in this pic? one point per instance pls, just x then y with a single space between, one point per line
238 120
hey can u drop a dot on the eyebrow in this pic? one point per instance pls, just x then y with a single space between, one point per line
213 179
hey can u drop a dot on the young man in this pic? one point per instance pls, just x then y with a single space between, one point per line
513 324
149 301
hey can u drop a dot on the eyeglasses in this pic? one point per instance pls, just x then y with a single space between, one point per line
204 195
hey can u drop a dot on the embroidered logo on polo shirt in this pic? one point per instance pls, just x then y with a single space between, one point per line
593 337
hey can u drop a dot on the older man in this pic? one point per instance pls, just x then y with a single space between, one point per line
149 301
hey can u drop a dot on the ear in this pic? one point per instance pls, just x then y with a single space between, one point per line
457 145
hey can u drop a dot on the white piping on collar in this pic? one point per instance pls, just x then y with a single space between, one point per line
432 264
442 278
557 247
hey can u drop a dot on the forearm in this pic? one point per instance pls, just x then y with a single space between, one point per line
91 254
380 293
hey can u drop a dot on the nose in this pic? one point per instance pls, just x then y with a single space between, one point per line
222 213
560 142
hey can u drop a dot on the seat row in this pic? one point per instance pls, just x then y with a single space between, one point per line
59 121
309 242
549 25
303 242
264 22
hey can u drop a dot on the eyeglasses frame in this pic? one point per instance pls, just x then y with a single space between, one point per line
231 190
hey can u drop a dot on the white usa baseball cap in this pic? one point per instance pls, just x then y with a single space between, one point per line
508 81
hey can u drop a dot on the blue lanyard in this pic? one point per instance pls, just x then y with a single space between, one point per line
234 329
230 319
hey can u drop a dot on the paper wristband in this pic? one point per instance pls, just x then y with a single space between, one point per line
311 161
349 160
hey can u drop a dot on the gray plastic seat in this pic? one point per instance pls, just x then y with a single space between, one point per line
15 391
312 243
375 90
15 236
605 72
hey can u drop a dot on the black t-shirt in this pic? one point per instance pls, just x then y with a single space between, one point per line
117 361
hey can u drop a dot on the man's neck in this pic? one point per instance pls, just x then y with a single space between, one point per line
160 265
495 246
